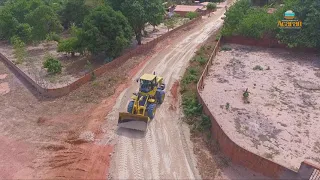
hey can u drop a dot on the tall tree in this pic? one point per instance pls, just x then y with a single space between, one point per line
43 20
115 4
105 30
155 12
135 12
74 12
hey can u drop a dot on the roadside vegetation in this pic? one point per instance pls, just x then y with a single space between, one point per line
199 122
245 19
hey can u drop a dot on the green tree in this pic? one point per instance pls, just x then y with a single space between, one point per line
170 23
24 32
74 12
234 16
115 4
105 30
211 7
309 35
20 8
155 12
43 20
135 12
8 24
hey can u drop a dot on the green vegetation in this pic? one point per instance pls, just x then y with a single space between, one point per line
191 107
245 95
170 23
138 13
29 20
53 65
102 26
192 15
211 7
105 30
19 49
258 67
247 20
74 12
226 48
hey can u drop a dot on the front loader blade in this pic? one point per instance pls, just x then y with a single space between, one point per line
133 121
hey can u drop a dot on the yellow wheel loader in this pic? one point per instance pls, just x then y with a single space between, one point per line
141 109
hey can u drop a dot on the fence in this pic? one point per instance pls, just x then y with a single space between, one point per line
57 92
242 156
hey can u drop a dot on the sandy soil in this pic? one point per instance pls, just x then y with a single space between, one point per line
57 138
165 150
281 120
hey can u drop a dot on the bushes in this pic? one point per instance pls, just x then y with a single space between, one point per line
53 65
191 107
53 37
257 23
70 46
191 15
234 16
19 49
245 20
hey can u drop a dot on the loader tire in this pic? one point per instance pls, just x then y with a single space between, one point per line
160 96
151 110
130 107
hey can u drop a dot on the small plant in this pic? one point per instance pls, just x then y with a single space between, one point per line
53 37
191 76
227 106
202 60
226 48
258 67
88 66
218 36
204 124
191 15
93 76
19 49
246 96
53 65
190 105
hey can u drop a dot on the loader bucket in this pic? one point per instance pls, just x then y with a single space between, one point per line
133 121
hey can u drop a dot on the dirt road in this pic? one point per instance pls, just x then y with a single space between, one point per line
164 151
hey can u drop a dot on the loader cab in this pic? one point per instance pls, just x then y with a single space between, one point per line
147 83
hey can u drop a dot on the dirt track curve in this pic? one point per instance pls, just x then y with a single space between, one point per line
164 151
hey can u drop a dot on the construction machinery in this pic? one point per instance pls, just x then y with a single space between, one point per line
141 109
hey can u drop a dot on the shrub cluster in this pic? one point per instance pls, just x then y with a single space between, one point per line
250 21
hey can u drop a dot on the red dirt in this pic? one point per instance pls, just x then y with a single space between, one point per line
157 49
22 158
174 93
